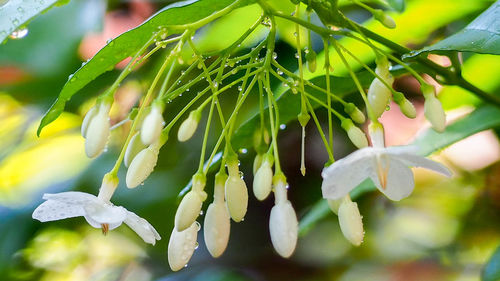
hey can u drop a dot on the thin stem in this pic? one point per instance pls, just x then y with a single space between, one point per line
328 96
205 137
320 130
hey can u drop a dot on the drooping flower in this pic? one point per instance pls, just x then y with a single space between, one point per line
236 193
97 213
217 224
188 127
387 167
95 129
350 221
152 125
181 246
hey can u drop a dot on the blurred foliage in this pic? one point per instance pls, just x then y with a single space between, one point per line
447 230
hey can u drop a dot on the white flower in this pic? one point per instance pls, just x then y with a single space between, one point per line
98 213
388 168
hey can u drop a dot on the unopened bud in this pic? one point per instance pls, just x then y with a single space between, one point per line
152 125
283 224
357 137
188 127
378 93
181 246
236 194
263 180
216 230
257 162
350 221
384 19
133 148
433 110
405 105
190 206
86 120
141 166
355 114
97 131
311 60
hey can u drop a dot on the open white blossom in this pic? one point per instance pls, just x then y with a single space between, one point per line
387 167
98 213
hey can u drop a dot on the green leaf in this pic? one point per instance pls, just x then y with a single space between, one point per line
481 36
483 118
125 45
15 14
398 5
491 271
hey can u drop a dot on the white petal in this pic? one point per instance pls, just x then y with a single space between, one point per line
283 227
181 246
216 228
347 173
55 210
399 179
419 161
97 213
71 197
142 227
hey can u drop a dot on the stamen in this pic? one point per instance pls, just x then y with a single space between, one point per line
105 228
382 172
302 155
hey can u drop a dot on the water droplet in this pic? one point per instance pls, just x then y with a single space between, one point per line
240 88
201 213
183 72
282 126
279 72
196 245
19 33
198 225
20 9
216 84
296 55
243 150
275 55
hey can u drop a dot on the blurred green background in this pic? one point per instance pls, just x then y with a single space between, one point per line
446 230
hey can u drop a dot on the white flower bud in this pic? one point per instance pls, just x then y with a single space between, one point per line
257 162
357 137
188 127
134 147
181 246
433 111
216 228
141 167
236 194
189 209
378 97
351 222
152 125
97 131
283 224
86 120
408 109
263 180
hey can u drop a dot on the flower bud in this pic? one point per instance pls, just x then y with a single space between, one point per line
216 228
236 194
384 19
97 131
351 222
152 125
283 224
378 93
433 111
181 246
355 114
311 60
257 162
405 105
357 137
141 166
263 180
133 148
86 120
188 127
190 207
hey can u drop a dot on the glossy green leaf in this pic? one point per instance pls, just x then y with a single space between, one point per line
398 5
429 141
173 16
491 271
15 14
481 36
